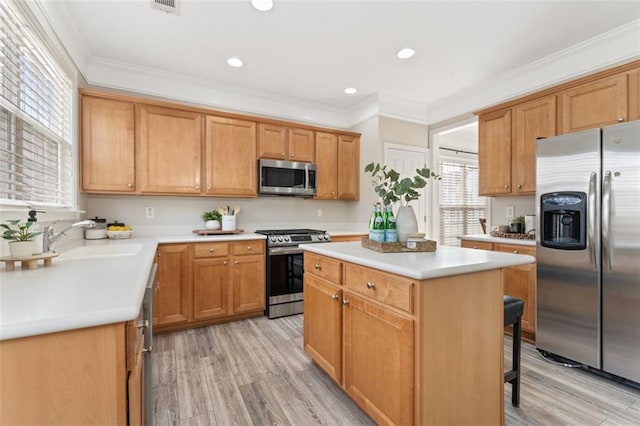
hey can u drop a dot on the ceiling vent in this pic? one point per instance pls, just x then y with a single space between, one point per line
169 6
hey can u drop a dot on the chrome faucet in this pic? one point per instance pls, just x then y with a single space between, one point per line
50 238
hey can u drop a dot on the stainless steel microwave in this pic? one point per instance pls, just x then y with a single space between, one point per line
278 177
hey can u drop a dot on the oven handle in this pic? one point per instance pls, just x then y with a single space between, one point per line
285 250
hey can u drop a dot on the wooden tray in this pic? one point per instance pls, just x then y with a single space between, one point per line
513 236
426 246
29 262
216 231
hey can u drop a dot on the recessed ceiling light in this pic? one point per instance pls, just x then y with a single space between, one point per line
405 53
350 90
235 62
262 5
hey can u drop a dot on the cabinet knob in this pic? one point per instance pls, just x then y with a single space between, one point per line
475 247
290 155
335 296
345 302
211 250
208 188
620 119
249 248
370 285
516 251
333 192
519 186
235 262
225 262
130 185
318 267
506 187
283 155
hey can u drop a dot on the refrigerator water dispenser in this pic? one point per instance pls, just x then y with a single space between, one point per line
564 220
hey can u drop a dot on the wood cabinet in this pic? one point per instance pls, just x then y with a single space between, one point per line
347 238
494 153
634 94
169 150
172 302
399 349
285 143
599 103
519 281
230 157
339 153
108 150
209 282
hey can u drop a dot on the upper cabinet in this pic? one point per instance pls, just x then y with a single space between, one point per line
600 103
339 153
230 157
508 133
348 167
285 143
169 150
108 150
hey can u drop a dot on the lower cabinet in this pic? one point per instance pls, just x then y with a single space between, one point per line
203 283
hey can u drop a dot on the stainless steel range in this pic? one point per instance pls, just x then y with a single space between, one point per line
285 268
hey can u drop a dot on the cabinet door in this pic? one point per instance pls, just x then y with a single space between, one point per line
272 141
634 94
378 363
327 162
211 288
323 325
169 150
531 120
348 168
230 152
302 145
248 283
174 284
494 153
107 145
596 104
136 391
520 281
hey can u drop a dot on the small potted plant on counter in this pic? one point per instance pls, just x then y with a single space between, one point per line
20 237
516 226
212 219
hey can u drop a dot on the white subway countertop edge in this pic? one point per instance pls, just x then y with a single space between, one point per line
445 261
489 239
194 238
75 293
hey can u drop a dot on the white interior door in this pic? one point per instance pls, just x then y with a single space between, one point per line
405 159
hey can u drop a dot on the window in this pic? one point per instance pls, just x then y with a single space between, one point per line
460 206
35 118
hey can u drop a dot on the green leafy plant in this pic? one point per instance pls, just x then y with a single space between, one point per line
518 219
15 231
391 188
212 215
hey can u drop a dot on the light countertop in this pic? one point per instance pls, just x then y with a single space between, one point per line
445 261
84 292
489 239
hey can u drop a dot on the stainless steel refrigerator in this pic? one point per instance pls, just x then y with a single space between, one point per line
588 248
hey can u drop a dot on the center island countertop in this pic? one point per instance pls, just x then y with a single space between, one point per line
445 261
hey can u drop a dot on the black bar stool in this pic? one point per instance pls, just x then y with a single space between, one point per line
513 310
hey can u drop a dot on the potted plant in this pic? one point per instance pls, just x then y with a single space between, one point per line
391 188
212 219
20 237
517 225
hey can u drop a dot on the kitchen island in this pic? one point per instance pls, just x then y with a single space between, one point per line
413 338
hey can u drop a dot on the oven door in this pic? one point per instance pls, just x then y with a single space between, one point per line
285 274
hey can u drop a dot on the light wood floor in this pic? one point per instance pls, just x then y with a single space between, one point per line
254 372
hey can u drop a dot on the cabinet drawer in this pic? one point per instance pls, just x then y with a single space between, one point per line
248 247
515 248
210 250
386 288
324 267
480 245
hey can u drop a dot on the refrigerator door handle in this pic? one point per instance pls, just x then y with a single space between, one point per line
606 221
591 225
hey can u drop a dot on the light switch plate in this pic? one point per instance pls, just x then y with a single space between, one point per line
510 212
149 213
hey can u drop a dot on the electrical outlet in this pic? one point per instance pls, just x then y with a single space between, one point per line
149 213
319 212
510 212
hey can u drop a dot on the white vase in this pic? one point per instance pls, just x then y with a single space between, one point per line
21 249
406 223
212 224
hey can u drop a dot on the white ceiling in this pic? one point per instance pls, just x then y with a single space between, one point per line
309 51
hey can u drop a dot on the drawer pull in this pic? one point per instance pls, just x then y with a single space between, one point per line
335 296
370 285
345 302
225 262
318 267
475 247
235 262
249 247
516 251
620 119
211 250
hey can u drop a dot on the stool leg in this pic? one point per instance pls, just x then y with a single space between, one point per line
515 384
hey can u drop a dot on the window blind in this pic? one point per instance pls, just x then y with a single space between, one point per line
460 206
35 118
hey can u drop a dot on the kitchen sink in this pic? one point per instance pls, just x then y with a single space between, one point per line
99 251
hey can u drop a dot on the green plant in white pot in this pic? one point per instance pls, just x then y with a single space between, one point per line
212 219
20 237
391 188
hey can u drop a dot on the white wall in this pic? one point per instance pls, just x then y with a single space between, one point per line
524 205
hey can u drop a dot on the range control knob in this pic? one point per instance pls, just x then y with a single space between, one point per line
287 239
280 238
327 237
272 238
